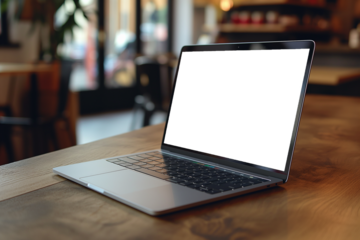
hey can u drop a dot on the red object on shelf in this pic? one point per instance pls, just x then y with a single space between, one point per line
235 18
272 17
257 17
244 17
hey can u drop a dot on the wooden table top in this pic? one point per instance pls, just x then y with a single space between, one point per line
320 201
24 68
333 76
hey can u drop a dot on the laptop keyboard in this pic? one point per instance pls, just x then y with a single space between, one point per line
187 173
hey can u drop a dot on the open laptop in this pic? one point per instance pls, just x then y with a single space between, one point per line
231 130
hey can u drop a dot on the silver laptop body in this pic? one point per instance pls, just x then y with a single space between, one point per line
231 129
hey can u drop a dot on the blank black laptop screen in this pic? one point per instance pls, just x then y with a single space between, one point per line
238 104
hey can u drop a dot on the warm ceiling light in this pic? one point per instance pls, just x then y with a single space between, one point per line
225 5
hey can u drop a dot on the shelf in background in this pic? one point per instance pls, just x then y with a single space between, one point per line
277 2
342 49
267 28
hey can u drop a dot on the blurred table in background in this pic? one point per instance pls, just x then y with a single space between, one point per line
333 76
334 81
320 201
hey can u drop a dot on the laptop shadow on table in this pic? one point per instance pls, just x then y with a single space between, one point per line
254 214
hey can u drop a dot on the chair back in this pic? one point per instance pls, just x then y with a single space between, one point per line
65 74
148 79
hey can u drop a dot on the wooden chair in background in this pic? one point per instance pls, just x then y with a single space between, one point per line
6 111
153 81
43 129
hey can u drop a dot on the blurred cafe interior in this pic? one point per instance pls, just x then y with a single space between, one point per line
75 71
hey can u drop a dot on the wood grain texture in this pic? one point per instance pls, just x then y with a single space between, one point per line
320 201
34 173
267 28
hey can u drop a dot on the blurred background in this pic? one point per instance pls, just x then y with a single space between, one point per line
75 71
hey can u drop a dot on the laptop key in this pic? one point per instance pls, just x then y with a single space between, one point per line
235 186
254 182
125 164
213 179
161 165
187 180
205 184
157 153
172 168
177 179
147 166
225 188
153 173
119 162
194 186
221 187
135 157
140 163
145 160
153 163
154 158
246 184
186 183
237 179
133 167
184 178
203 189
195 175
155 168
197 181
129 161
206 178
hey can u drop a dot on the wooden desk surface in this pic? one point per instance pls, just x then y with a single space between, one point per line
320 201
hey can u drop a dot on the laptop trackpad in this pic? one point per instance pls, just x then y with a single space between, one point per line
123 182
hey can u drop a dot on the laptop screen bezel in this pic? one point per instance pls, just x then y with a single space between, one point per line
303 44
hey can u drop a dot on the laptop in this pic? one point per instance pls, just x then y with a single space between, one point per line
231 130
